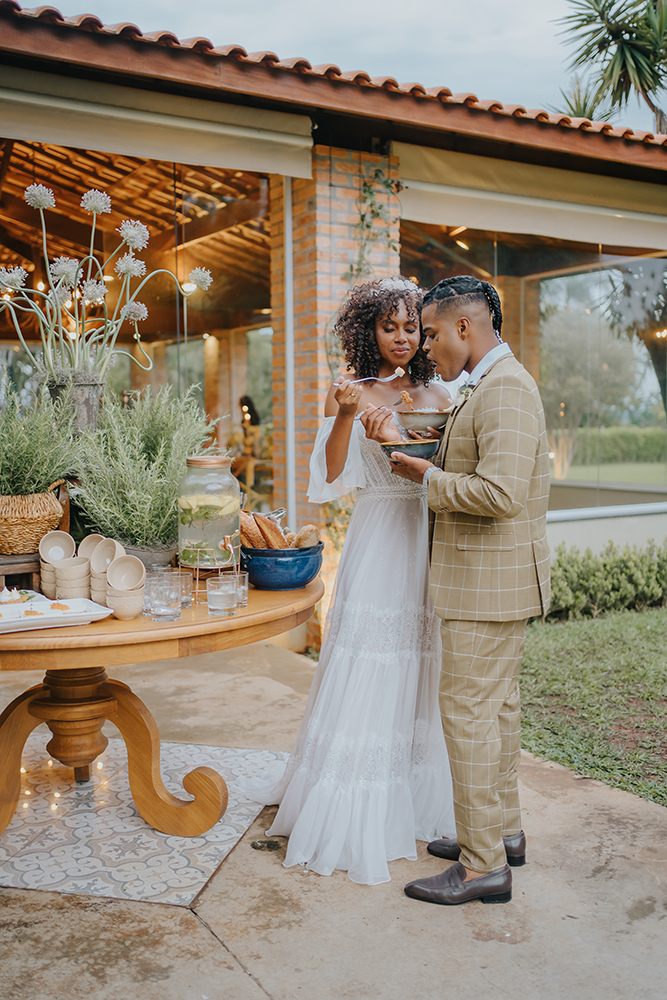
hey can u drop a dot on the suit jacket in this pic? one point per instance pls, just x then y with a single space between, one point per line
490 558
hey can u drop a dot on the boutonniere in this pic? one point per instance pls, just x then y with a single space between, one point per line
464 392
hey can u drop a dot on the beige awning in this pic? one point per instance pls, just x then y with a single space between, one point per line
459 189
41 107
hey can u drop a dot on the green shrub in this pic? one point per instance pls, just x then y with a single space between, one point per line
607 445
36 442
133 464
618 579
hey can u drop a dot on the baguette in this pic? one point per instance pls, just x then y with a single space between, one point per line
251 536
273 536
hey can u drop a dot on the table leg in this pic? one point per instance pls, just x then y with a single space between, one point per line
16 724
75 704
159 807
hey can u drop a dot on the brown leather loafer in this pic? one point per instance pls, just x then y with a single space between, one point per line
449 889
515 849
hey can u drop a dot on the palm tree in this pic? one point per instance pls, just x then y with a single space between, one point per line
583 100
626 42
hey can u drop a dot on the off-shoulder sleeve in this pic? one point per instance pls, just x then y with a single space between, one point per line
319 490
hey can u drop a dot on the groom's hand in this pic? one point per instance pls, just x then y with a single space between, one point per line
408 467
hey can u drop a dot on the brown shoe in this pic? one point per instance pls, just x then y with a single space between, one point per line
449 889
515 849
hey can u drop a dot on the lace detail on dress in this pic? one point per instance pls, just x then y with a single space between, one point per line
364 630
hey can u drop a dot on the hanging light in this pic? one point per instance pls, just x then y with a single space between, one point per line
459 229
460 243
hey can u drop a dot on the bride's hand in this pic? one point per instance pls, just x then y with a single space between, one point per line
429 434
347 395
379 424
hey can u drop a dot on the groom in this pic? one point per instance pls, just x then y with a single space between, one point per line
489 573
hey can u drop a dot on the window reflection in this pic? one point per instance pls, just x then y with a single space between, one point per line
590 323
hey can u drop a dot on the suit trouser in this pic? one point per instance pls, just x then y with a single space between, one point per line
479 701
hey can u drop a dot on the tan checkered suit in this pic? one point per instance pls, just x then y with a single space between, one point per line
489 573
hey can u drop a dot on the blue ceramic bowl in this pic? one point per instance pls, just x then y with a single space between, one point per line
417 449
282 569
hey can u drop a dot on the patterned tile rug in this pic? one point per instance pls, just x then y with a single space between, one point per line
89 838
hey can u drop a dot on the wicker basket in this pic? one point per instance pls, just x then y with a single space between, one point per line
25 520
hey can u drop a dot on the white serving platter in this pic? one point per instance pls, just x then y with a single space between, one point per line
80 611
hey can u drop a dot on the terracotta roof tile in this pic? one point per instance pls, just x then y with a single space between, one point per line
301 66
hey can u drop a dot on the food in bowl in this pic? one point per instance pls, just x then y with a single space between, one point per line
424 448
421 420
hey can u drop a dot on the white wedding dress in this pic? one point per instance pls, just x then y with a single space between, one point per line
369 771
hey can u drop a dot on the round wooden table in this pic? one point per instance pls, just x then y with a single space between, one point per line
77 697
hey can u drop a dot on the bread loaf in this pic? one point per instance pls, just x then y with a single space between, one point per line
290 538
273 536
307 537
251 536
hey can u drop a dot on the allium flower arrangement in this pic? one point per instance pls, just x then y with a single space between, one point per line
78 332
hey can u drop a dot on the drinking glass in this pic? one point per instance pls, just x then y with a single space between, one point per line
222 595
165 591
152 572
186 589
242 589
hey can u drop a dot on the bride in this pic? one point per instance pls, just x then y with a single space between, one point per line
369 771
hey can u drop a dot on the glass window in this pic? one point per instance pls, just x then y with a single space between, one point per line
590 323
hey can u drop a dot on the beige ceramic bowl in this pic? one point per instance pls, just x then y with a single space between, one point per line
100 577
99 596
49 590
76 568
89 543
66 591
104 553
130 594
127 607
126 573
56 545
46 570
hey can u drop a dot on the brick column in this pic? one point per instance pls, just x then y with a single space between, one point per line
325 214
325 243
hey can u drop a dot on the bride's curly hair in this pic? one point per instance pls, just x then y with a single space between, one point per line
355 326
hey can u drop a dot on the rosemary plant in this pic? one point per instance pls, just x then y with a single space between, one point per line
78 332
36 442
133 464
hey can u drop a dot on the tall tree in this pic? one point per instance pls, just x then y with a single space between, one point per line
625 42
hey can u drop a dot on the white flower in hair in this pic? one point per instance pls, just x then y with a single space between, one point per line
201 277
96 202
134 233
64 269
93 290
12 277
135 312
39 196
398 284
129 264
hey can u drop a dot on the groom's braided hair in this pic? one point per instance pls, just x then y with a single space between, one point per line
355 326
466 289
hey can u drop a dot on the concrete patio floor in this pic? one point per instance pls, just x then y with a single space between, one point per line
588 919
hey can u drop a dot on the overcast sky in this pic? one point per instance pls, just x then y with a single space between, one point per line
507 51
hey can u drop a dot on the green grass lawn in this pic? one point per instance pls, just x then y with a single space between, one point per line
637 473
594 698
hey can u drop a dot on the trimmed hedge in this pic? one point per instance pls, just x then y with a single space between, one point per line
621 444
585 586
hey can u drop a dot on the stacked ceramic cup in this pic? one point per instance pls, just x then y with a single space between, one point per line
126 577
72 578
55 546
105 552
